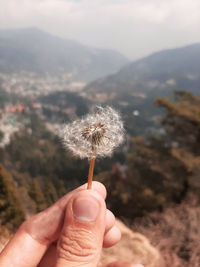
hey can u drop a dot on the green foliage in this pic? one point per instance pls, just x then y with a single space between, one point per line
41 153
158 171
36 194
50 193
11 211
41 167
55 105
161 171
1 135
126 197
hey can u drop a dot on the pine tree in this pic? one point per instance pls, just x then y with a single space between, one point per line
50 193
36 194
161 170
170 165
11 211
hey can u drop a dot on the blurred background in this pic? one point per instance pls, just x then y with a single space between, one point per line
61 58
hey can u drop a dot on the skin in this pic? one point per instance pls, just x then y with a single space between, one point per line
56 237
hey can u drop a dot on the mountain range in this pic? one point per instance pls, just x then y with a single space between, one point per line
111 79
169 69
34 50
135 87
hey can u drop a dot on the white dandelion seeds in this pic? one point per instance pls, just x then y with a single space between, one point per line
95 135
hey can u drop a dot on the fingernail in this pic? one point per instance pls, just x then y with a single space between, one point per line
137 265
85 209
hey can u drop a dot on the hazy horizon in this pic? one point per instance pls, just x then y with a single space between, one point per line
132 27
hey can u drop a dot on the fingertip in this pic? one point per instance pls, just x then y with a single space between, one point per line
112 237
85 199
110 220
96 186
100 188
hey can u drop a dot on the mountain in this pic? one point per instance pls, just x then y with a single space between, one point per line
134 88
40 52
175 68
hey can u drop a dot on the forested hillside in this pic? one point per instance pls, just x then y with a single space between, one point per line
161 171
134 88
158 172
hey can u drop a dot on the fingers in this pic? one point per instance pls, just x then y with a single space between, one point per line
49 258
97 186
112 237
33 238
112 233
82 235
22 251
110 220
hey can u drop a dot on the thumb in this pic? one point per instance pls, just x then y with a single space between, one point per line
82 235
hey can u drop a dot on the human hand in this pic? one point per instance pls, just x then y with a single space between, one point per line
69 233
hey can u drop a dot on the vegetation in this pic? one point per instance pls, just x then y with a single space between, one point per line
175 233
158 179
70 105
161 171
11 210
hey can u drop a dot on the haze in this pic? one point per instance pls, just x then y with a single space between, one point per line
133 27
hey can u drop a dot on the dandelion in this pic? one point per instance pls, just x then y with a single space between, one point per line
95 135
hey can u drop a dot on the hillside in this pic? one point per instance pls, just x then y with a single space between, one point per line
135 87
36 51
176 68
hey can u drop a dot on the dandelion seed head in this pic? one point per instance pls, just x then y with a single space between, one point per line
95 135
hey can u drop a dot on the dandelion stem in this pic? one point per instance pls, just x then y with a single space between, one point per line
90 174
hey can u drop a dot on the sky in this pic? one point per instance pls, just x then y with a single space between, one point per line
135 28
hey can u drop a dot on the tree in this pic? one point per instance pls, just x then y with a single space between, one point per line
36 194
182 123
163 170
11 211
50 193
1 135
170 165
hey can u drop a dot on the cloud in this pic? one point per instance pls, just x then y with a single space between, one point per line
135 27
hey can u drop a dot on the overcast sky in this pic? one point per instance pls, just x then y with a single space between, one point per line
133 27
